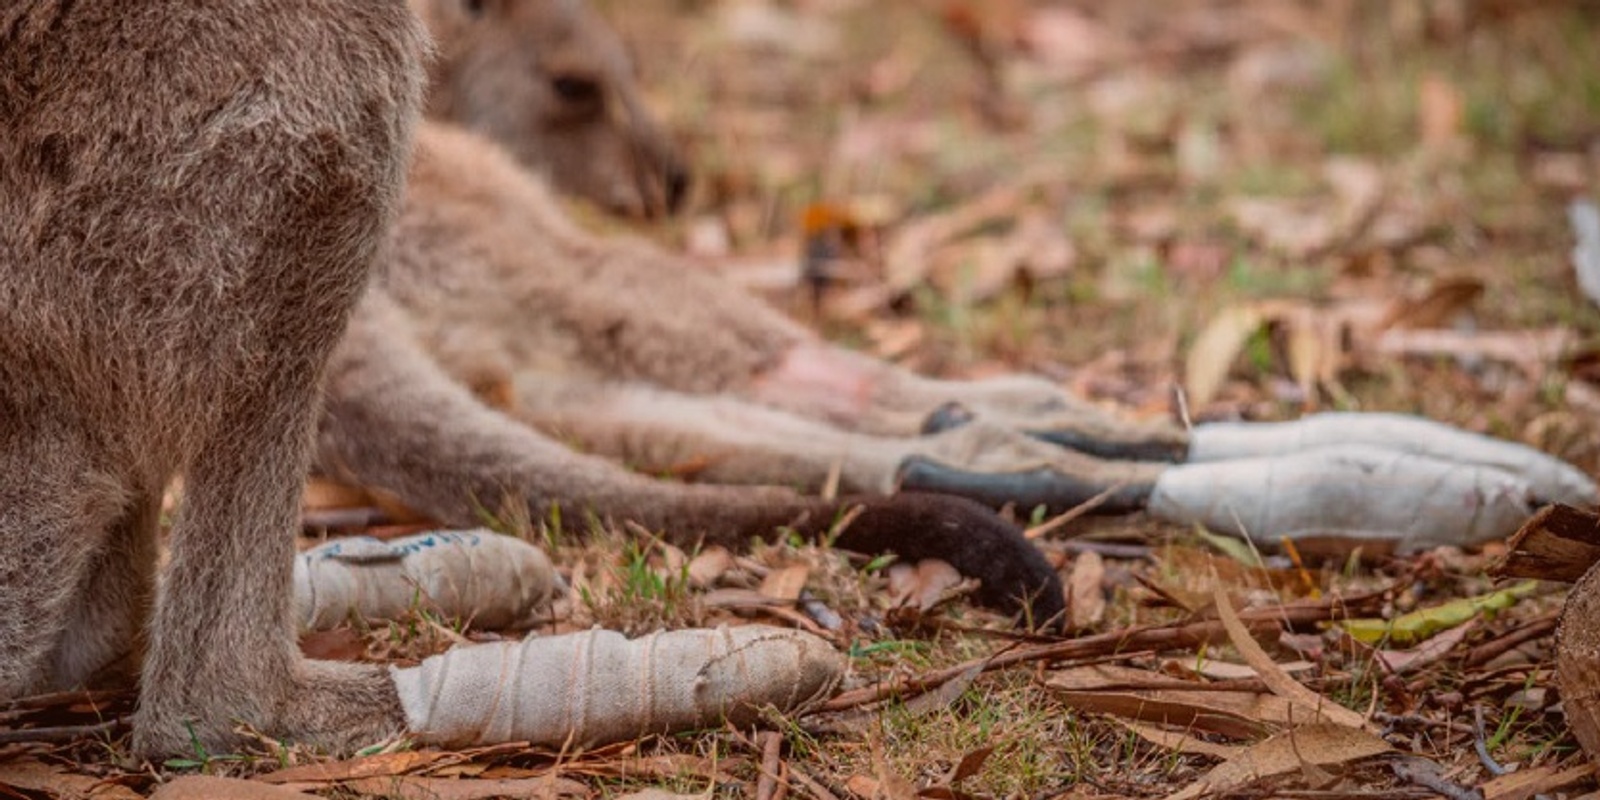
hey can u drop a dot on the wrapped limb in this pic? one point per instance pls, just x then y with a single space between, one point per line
594 687
493 580
1348 492
1551 479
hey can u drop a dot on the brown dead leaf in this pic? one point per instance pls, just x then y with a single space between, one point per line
969 765
709 566
1176 742
408 787
1431 651
212 787
1529 782
382 765
786 583
1086 597
1227 670
1096 677
922 586
1273 675
1236 715
59 781
1214 350
864 786
1320 745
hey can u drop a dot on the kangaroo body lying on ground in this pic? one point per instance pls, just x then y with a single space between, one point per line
638 358
190 201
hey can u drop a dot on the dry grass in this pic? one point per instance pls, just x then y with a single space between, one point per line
1483 124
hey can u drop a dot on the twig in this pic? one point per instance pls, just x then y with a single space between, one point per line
1167 637
1055 523
1427 774
1107 549
770 784
53 699
811 784
1480 744
63 733
1528 631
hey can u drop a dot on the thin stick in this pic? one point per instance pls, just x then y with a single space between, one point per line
1056 522
769 784
63 733
1181 636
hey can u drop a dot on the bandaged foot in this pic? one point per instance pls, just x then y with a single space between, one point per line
494 581
590 688
1551 479
1353 492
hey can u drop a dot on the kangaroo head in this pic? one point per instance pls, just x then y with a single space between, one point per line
552 82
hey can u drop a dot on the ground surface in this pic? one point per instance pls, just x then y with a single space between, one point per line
1373 195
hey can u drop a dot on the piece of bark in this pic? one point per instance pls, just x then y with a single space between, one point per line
1578 662
1559 543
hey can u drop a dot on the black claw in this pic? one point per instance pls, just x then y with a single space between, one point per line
1170 452
1056 491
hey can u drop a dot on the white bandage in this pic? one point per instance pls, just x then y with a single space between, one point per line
1357 491
493 580
588 688
1551 479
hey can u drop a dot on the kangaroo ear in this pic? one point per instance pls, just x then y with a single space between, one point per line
1014 575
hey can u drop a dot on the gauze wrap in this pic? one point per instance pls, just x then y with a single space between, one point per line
589 688
495 581
1352 491
1550 478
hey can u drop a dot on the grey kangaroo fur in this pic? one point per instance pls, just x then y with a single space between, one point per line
488 284
190 199
554 84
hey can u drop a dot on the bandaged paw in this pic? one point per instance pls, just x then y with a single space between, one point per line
589 688
1354 492
493 580
1550 478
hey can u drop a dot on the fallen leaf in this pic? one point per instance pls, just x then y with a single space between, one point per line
212 787
375 766
1529 782
1214 350
1273 675
1086 597
1236 715
786 583
922 586
709 566
407 787
60 781
1431 651
1176 742
1321 745
1418 625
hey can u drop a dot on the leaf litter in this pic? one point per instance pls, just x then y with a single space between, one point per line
1254 208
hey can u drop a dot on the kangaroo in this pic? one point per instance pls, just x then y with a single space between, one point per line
553 83
191 199
635 356
485 282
